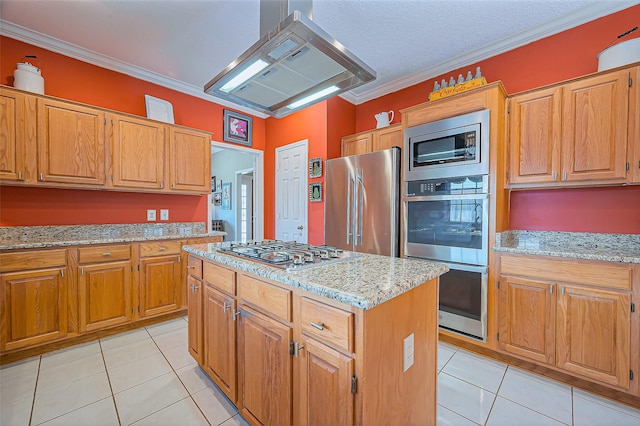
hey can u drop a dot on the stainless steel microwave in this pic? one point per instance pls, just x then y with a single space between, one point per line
457 146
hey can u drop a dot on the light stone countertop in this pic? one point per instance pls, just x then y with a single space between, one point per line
28 237
578 245
363 282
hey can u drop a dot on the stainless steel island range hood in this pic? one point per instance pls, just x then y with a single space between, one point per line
293 65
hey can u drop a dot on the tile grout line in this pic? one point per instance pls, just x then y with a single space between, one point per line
33 402
106 370
493 403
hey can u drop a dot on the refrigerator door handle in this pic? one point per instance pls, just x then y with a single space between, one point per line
349 233
360 205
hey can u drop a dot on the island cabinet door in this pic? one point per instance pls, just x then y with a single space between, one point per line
325 385
220 340
527 312
594 333
264 369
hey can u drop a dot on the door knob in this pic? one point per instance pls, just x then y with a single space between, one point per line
300 227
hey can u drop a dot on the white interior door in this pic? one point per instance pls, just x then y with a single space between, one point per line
244 207
291 192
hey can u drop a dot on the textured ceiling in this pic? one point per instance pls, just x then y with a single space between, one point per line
183 44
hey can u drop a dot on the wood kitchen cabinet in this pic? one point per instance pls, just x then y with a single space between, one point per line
189 160
375 140
104 287
195 308
16 112
160 278
34 297
572 133
574 315
71 143
138 153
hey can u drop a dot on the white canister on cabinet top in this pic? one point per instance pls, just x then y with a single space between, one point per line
27 77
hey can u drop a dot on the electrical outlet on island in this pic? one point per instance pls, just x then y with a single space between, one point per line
164 214
408 349
151 215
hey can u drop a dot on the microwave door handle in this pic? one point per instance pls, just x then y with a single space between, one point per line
349 185
360 204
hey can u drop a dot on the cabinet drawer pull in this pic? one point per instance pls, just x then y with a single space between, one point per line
319 326
106 253
191 267
162 248
225 307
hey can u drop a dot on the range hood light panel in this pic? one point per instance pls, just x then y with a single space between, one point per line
313 97
245 75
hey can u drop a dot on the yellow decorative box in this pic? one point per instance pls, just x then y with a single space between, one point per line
458 88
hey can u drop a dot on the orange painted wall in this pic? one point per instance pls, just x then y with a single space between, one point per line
563 56
75 80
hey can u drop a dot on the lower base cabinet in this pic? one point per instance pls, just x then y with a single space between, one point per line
575 316
301 358
160 285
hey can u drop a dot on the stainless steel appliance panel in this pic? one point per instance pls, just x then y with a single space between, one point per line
362 206
378 202
338 208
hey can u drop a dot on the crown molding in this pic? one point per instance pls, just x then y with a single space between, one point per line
584 15
53 44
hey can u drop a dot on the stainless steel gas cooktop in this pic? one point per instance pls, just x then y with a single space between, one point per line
289 255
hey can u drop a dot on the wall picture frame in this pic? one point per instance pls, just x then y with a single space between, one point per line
315 192
237 128
213 184
315 167
217 198
226 196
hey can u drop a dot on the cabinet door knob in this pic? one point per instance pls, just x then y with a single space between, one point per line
319 326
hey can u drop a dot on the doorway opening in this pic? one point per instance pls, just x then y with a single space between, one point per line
230 163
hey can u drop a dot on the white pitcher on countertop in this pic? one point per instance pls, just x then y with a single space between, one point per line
384 119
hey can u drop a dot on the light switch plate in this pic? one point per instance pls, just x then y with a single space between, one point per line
151 215
164 214
407 354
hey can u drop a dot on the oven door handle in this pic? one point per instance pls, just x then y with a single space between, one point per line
468 268
447 197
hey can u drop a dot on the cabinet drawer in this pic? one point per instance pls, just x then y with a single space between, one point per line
36 259
327 323
271 299
222 278
194 267
104 253
160 248
596 274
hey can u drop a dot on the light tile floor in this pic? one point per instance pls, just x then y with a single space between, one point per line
147 377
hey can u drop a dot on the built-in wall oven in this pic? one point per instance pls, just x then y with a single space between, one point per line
445 213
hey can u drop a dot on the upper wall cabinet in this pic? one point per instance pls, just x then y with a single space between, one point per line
189 160
138 152
14 134
71 143
375 140
572 134
50 142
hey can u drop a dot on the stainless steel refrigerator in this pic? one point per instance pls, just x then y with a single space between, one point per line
362 207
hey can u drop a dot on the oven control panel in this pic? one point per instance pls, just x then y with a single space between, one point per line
448 186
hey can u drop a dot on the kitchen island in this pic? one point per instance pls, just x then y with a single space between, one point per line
352 342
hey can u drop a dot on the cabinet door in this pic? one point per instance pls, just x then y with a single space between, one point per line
595 117
34 307
138 153
13 135
264 369
325 385
357 144
387 138
220 340
594 334
534 137
194 314
104 295
70 143
526 313
159 284
190 161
